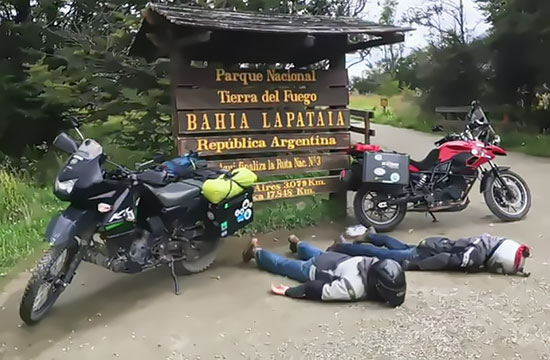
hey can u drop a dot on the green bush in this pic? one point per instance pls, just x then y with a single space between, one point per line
24 213
20 201
403 110
19 240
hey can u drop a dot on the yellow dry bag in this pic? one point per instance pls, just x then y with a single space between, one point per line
228 185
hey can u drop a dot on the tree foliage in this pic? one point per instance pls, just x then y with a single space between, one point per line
69 57
520 48
506 66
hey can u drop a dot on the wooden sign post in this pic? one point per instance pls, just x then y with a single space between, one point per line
279 115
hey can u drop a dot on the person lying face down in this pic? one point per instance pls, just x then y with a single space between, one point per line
477 253
330 276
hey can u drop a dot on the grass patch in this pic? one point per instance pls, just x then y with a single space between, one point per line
402 111
290 214
25 211
536 145
19 240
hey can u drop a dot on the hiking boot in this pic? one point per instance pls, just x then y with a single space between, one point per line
293 241
250 251
364 238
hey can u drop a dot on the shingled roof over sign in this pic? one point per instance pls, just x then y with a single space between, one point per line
230 36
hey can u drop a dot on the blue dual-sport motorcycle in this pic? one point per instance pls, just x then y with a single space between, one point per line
126 221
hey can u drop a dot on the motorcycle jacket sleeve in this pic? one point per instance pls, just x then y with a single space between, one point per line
311 290
337 290
469 260
434 262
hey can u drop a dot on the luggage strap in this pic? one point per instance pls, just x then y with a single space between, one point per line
229 176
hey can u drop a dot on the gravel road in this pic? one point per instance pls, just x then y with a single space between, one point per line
227 312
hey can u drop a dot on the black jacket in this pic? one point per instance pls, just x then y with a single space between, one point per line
335 276
441 253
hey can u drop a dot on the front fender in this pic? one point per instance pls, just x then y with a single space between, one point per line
63 228
488 175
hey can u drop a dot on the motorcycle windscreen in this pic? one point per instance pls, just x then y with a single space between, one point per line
386 168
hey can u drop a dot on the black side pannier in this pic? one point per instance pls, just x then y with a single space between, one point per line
386 168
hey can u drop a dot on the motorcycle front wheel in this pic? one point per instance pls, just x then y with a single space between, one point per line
367 212
511 202
47 282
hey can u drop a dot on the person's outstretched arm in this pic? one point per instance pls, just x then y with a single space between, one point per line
337 290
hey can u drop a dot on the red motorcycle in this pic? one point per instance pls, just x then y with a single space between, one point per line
389 184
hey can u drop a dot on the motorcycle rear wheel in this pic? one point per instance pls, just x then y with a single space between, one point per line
205 259
496 198
44 287
371 215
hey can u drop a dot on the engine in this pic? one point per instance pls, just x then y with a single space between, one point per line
451 190
138 250
128 253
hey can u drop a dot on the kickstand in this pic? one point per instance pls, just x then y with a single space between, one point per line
433 216
175 278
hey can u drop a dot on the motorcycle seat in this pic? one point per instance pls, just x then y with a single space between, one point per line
428 162
177 193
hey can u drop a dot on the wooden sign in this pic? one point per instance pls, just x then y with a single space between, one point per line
203 99
271 121
197 122
291 188
231 144
220 77
290 164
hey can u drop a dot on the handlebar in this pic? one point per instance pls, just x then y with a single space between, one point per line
478 128
124 171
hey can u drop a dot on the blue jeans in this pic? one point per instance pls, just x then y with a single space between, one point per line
382 247
294 269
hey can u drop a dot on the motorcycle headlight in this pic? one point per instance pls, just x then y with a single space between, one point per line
496 140
64 187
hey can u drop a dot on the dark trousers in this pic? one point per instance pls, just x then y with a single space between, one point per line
381 246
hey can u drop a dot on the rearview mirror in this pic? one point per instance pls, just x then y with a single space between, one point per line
158 158
65 143
75 123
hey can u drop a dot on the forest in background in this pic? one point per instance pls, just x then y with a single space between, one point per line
62 58
507 66
69 57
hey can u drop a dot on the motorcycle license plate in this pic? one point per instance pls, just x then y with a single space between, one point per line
234 214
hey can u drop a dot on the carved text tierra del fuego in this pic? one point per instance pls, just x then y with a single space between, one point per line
286 96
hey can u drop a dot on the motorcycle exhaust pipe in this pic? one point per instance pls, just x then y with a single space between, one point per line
403 200
97 258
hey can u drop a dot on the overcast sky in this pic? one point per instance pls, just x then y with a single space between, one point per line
416 38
